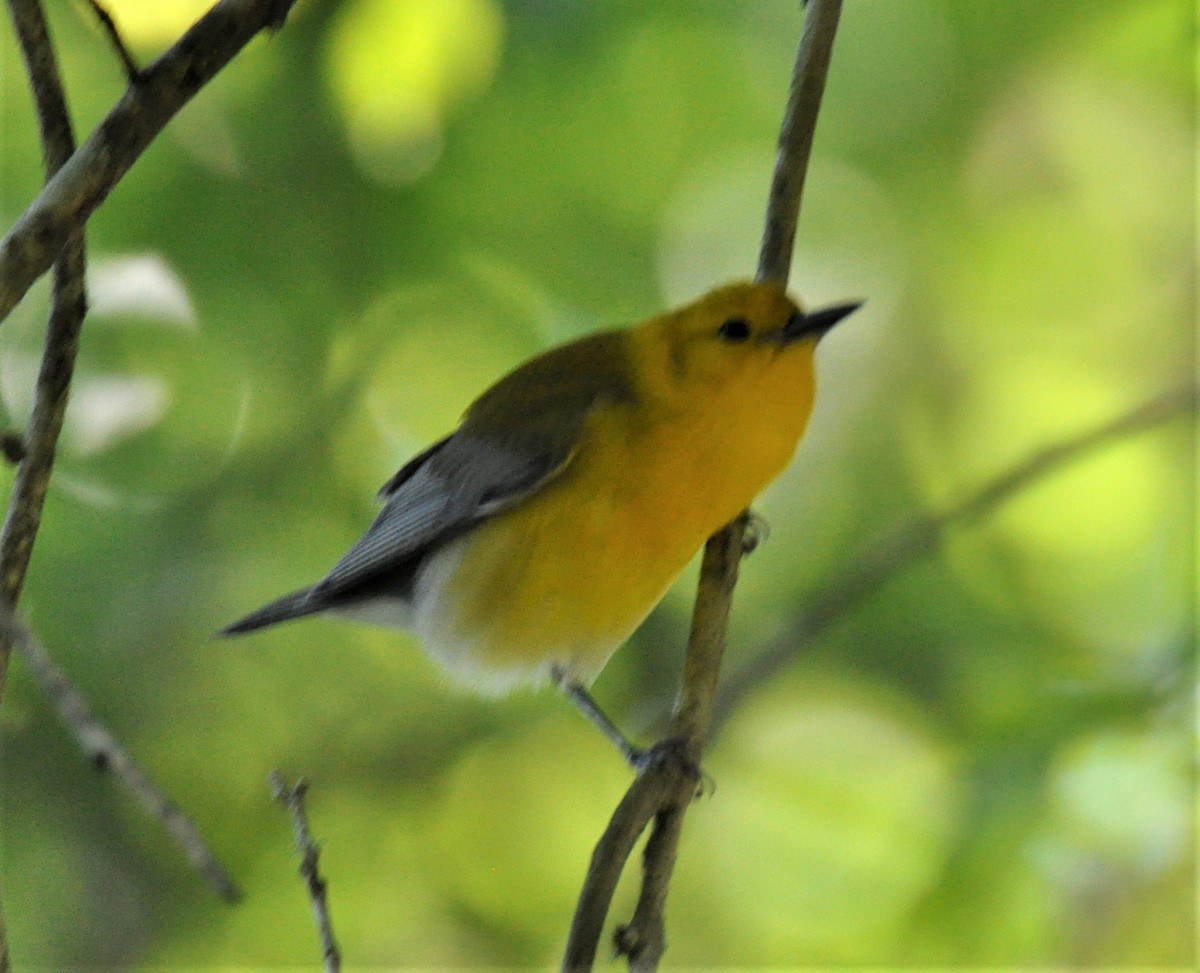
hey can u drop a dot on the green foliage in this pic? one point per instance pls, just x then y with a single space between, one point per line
369 217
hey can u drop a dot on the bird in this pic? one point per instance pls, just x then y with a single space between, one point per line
527 545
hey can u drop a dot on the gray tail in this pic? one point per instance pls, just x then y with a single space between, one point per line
296 605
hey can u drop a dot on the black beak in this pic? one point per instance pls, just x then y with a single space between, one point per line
815 324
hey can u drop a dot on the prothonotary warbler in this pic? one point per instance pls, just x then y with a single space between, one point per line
529 543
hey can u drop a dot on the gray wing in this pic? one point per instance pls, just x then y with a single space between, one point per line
450 486
490 463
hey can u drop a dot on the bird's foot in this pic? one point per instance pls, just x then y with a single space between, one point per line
755 531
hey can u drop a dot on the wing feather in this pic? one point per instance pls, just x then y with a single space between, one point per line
494 460
460 484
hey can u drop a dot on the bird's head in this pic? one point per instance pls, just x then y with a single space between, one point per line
743 337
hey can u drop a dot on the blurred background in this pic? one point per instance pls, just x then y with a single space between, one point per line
368 217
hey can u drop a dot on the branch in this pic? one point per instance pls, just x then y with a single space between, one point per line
68 307
90 174
292 797
58 142
660 784
901 546
133 74
104 751
51 232
796 139
667 784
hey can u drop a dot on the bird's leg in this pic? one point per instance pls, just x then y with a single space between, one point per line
577 694
639 758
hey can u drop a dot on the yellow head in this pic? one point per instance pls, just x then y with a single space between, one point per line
745 340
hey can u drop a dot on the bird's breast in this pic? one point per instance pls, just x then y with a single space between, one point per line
560 580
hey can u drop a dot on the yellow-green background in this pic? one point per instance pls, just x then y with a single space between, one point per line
372 214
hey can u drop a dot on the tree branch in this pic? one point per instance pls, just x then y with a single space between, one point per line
906 543
667 784
654 788
68 308
796 139
292 797
90 174
51 233
133 74
105 752
69 305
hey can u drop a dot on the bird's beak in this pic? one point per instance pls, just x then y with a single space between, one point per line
815 324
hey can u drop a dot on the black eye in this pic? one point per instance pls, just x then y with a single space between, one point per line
735 329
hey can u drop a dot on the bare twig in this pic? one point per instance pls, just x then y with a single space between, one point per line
58 142
666 782
643 940
796 139
106 753
86 179
666 786
51 232
907 543
133 74
292 797
68 308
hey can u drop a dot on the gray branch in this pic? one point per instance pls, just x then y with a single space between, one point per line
291 796
50 233
90 174
666 786
107 753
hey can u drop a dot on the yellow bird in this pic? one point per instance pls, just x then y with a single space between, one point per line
530 543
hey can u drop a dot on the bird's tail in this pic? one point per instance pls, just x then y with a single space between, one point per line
296 605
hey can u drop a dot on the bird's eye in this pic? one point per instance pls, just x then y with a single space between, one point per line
735 329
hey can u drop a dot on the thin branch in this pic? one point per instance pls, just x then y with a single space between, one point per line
660 792
722 554
68 308
655 787
643 940
667 784
106 753
86 179
54 122
67 311
292 798
51 232
796 139
907 543
133 74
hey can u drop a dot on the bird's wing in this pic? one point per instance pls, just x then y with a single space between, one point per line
402 475
515 438
450 486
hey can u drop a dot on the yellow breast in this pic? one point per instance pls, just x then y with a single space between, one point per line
561 580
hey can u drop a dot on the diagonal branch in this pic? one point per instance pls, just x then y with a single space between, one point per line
643 941
896 549
133 74
90 174
291 796
796 135
68 307
666 786
106 753
51 233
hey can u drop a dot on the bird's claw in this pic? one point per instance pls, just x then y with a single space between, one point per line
755 531
671 751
